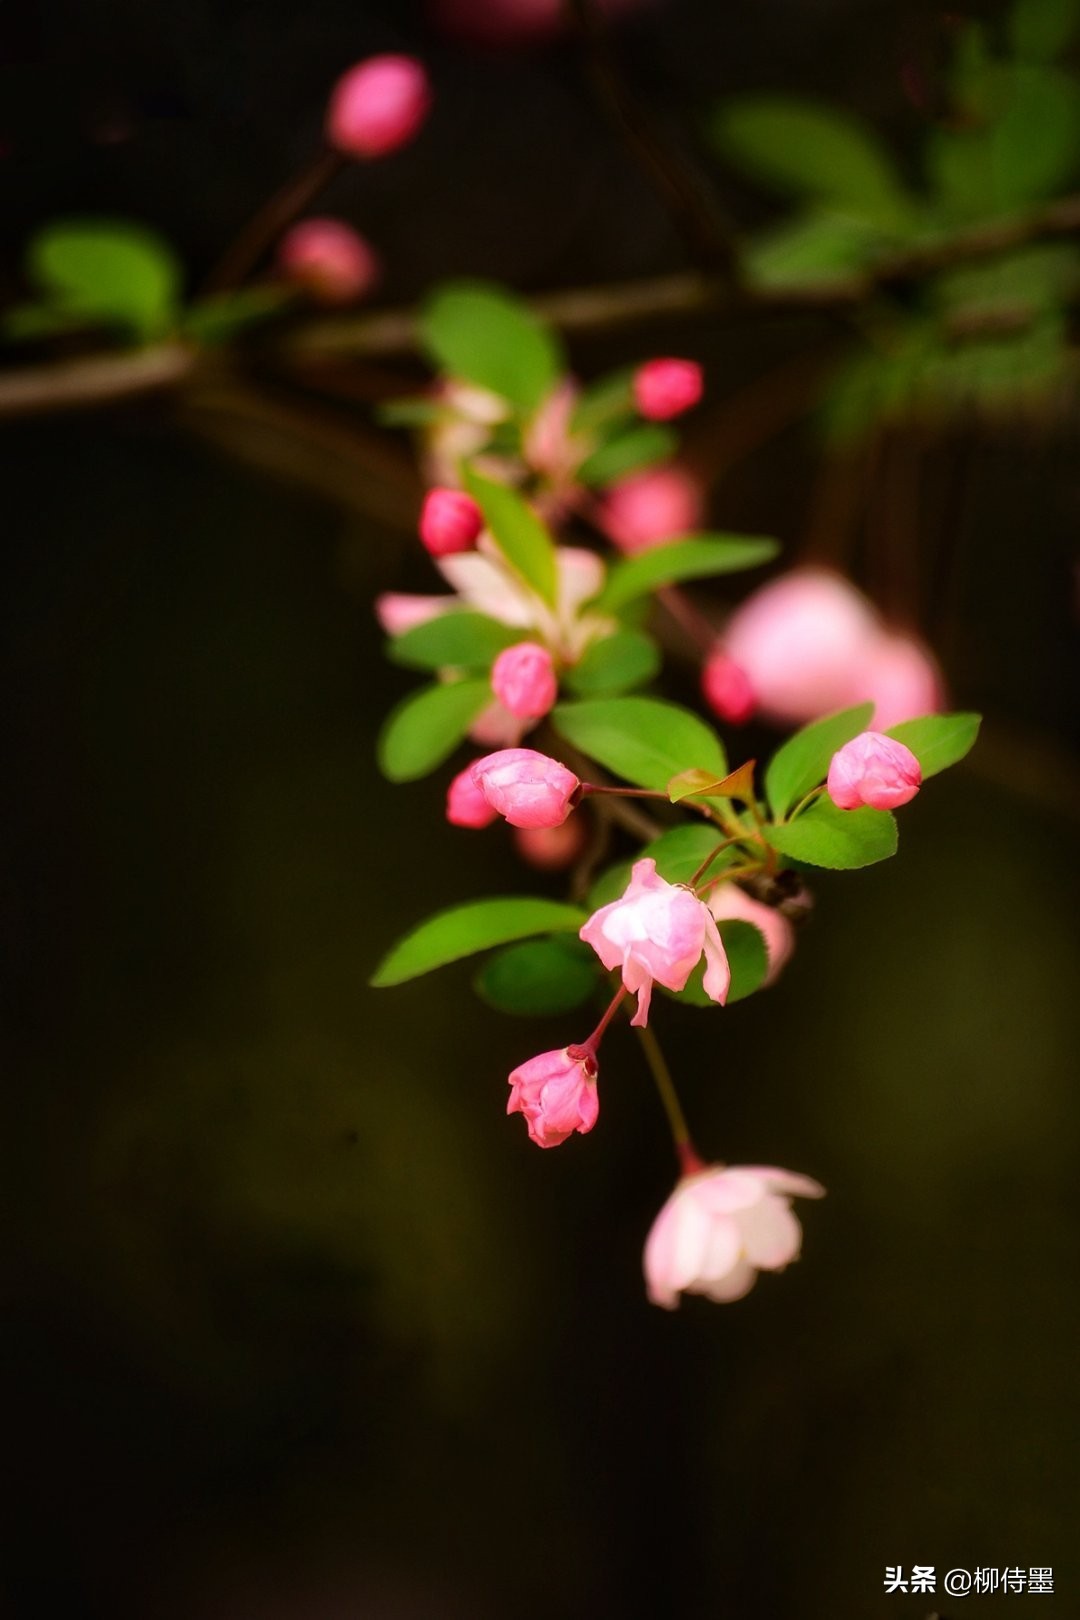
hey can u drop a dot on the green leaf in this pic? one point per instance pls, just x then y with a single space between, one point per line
604 401
840 839
517 531
108 270
814 249
641 445
483 334
812 150
454 640
1041 29
216 320
696 557
539 977
748 959
614 664
679 852
938 740
641 739
427 726
803 761
476 926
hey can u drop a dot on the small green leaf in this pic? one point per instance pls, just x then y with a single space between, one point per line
217 319
614 664
803 761
517 531
454 640
1041 29
695 557
643 740
813 150
476 926
679 852
696 784
841 839
108 270
539 977
627 451
938 740
483 334
813 250
427 726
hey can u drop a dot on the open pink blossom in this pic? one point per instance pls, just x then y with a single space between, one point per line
523 680
528 788
330 259
720 1228
656 933
666 388
726 688
450 521
556 1092
378 105
651 507
874 770
729 900
466 805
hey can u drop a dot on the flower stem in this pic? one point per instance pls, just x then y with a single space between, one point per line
597 1035
665 1085
623 792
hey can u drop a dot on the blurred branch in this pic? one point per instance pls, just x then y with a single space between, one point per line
96 380
264 228
691 206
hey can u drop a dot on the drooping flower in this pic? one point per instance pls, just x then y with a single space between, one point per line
378 105
450 522
329 259
556 1092
874 770
657 932
528 788
729 900
523 679
719 1228
666 388
651 508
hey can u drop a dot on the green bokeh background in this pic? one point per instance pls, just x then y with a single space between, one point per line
300 1324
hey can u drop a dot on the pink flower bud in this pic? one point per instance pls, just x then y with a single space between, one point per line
523 680
466 805
557 1094
875 770
720 1228
651 507
529 789
666 388
328 258
450 521
377 106
728 900
657 932
727 688
551 848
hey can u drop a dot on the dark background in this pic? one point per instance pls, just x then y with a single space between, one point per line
299 1324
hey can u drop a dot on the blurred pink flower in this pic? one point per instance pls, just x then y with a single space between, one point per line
873 770
466 805
657 931
528 788
720 1228
726 688
378 105
728 900
556 1092
512 22
523 680
552 849
667 388
330 259
902 680
651 507
450 521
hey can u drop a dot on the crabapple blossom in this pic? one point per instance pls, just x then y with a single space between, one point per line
551 848
377 106
527 788
656 932
726 688
523 680
901 679
650 508
874 770
329 259
556 1092
666 388
719 1228
729 900
450 521
466 805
